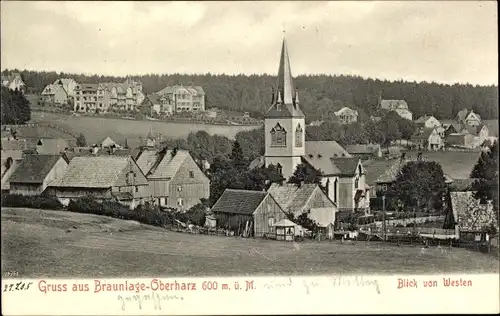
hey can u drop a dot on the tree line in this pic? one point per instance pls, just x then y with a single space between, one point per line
318 94
15 107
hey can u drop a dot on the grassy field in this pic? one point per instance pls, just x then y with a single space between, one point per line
456 164
96 128
38 243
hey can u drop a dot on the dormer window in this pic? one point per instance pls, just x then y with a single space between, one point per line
278 136
298 136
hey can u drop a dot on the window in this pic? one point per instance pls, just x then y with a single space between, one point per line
136 189
298 136
179 202
191 174
179 188
270 222
356 183
335 185
278 136
279 168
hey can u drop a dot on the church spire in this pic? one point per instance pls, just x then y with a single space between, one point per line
285 86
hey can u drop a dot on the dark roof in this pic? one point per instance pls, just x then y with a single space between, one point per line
461 185
34 168
346 166
423 133
423 119
284 110
239 201
375 168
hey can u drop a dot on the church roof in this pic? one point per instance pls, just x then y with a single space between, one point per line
285 98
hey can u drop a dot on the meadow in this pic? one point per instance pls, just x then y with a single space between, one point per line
96 128
40 243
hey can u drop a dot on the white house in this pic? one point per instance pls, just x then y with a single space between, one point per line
14 82
427 122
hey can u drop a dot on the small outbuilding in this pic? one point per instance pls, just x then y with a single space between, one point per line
285 230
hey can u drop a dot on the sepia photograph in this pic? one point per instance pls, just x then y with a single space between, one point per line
267 139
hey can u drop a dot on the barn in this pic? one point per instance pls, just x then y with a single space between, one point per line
248 213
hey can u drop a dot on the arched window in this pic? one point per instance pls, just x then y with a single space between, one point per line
279 168
298 136
356 182
278 136
360 170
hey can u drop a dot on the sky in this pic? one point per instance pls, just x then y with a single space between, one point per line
441 41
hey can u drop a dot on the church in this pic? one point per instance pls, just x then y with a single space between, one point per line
285 146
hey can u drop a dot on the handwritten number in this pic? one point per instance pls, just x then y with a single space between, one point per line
20 286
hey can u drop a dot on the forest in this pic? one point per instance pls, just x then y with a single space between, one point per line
319 95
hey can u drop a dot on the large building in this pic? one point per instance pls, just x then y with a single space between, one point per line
183 98
286 148
398 106
102 97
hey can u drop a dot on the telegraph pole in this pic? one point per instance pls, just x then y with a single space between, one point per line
384 228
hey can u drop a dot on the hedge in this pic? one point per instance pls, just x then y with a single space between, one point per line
31 201
147 214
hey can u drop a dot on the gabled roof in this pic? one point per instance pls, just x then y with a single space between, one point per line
423 133
34 168
98 172
52 89
169 164
239 201
147 160
346 166
391 172
285 223
345 108
423 119
393 104
375 168
295 199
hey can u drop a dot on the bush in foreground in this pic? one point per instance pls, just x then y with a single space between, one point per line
36 201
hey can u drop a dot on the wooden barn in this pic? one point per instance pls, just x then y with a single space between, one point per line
248 213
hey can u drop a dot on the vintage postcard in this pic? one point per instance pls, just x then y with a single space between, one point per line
230 158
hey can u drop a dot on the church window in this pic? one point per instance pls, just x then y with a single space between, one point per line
298 136
280 169
278 136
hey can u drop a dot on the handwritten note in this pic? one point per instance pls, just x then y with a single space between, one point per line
325 283
145 301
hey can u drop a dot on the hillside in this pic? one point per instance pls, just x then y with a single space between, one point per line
96 129
318 94
39 243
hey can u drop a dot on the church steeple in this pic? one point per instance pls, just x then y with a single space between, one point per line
285 81
284 100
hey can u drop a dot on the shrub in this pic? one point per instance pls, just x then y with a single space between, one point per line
86 206
31 201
